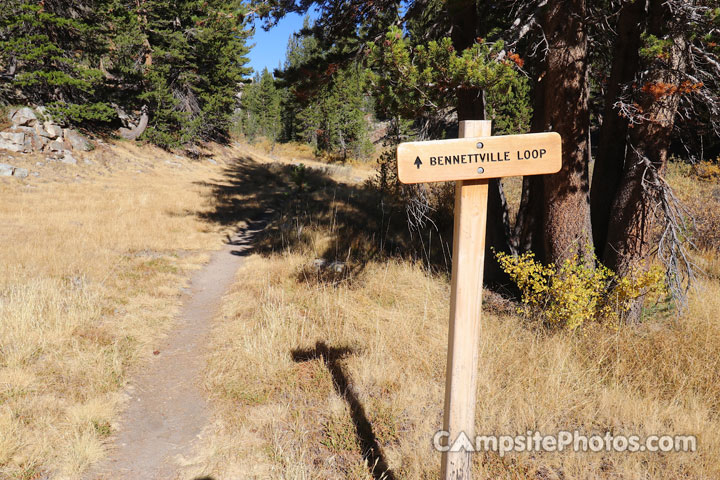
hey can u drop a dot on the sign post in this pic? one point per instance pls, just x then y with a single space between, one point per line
471 161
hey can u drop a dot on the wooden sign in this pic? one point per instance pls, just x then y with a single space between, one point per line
471 160
483 157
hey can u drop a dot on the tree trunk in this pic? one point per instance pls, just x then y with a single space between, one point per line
611 153
565 203
633 211
528 234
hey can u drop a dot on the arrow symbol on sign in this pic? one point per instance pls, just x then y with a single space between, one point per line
418 162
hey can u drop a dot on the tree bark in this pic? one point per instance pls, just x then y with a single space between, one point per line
611 152
565 202
629 241
528 234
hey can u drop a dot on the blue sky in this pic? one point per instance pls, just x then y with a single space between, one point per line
270 47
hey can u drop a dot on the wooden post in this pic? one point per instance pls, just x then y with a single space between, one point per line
471 161
471 197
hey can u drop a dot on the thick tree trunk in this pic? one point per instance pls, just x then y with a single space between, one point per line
611 153
629 241
565 203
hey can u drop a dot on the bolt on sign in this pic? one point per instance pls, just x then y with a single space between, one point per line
471 161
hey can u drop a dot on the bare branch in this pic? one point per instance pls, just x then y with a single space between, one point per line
675 242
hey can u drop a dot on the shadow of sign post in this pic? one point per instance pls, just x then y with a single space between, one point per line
371 450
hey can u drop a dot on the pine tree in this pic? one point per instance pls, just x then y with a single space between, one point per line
182 59
326 108
185 59
49 55
261 115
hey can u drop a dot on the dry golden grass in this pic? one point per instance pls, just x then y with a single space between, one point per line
91 265
290 150
287 345
308 371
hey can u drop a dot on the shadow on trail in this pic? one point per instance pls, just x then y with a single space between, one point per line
370 447
305 209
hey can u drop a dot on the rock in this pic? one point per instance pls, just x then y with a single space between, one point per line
40 130
87 161
68 159
35 174
36 141
76 141
39 164
319 264
24 117
53 130
13 147
13 137
173 164
21 173
212 161
55 146
337 267
13 141
6 170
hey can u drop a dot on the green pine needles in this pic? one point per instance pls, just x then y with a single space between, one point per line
182 61
422 80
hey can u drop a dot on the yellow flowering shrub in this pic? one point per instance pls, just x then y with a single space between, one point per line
574 292
708 169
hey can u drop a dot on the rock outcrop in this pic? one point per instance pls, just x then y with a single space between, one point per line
24 117
32 133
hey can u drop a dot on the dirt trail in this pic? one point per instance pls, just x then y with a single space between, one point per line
168 409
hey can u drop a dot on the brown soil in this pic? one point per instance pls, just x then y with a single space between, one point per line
167 409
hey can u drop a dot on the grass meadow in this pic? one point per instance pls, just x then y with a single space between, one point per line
92 262
320 375
315 371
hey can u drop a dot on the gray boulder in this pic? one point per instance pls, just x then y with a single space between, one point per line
13 141
6 170
68 159
76 141
13 147
53 130
20 172
55 146
40 130
34 141
13 136
24 117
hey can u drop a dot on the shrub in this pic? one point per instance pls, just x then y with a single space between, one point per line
575 292
708 170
